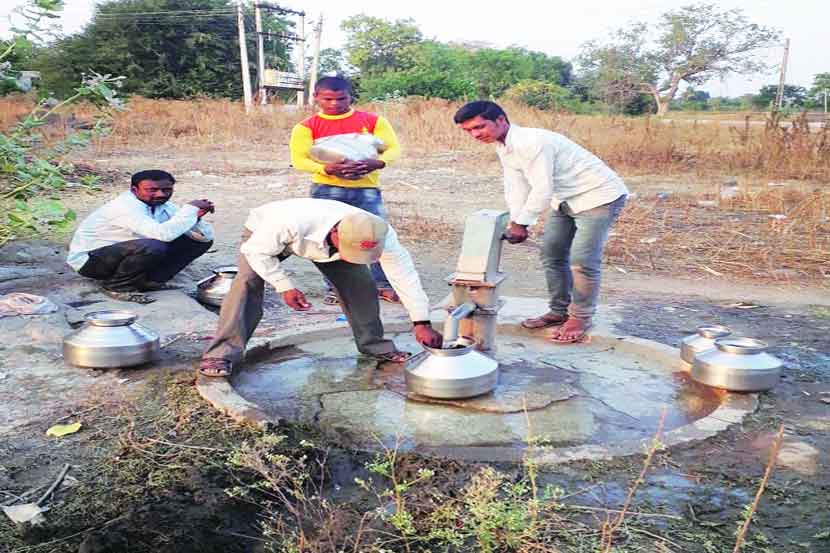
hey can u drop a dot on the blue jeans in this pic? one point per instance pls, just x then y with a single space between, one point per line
368 199
572 256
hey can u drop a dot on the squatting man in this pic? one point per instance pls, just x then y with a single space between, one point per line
138 241
341 241
544 169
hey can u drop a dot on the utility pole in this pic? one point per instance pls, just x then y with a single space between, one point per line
315 57
301 66
260 55
825 102
243 55
779 98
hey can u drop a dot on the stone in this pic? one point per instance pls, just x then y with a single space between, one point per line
801 457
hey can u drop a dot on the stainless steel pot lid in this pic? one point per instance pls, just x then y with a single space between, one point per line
714 331
741 346
226 269
111 318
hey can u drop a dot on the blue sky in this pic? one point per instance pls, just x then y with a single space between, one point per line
558 28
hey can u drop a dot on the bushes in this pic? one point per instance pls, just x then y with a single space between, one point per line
545 96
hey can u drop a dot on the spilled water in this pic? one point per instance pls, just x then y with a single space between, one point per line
598 393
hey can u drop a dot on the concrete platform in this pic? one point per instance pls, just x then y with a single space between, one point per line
553 403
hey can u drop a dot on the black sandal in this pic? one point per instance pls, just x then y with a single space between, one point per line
396 357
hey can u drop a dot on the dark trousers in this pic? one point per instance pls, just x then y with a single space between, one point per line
128 266
242 309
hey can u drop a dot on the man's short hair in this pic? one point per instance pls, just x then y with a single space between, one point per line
151 174
486 109
333 83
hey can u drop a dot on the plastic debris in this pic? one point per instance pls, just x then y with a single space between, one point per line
743 305
60 430
27 512
21 303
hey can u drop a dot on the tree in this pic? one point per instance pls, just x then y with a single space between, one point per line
793 96
374 45
164 48
431 69
333 62
821 86
496 70
544 95
692 44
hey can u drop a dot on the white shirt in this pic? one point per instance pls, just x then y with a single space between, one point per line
300 226
128 218
543 168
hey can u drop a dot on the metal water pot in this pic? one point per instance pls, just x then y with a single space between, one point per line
452 373
213 289
702 340
737 364
110 339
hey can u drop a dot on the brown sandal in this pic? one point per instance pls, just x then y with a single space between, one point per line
215 367
572 332
543 321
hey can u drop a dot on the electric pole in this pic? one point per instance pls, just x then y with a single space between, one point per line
315 57
301 65
243 55
779 98
260 55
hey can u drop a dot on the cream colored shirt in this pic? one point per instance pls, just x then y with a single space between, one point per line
299 226
127 218
544 168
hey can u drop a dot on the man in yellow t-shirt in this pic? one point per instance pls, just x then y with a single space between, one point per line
351 182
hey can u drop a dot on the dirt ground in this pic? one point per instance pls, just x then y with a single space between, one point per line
702 488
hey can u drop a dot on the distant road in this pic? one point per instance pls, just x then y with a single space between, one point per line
813 122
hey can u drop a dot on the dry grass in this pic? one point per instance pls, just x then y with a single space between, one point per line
778 233
630 145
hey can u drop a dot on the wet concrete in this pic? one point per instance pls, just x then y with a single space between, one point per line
607 392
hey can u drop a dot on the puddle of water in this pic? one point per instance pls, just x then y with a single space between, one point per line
581 394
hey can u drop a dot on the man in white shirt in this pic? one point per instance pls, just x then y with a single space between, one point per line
544 169
140 240
341 241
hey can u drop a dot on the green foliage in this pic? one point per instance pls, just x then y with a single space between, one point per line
691 44
821 86
174 55
545 96
394 60
793 96
497 70
32 177
374 45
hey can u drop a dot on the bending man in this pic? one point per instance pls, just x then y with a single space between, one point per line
341 241
544 169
